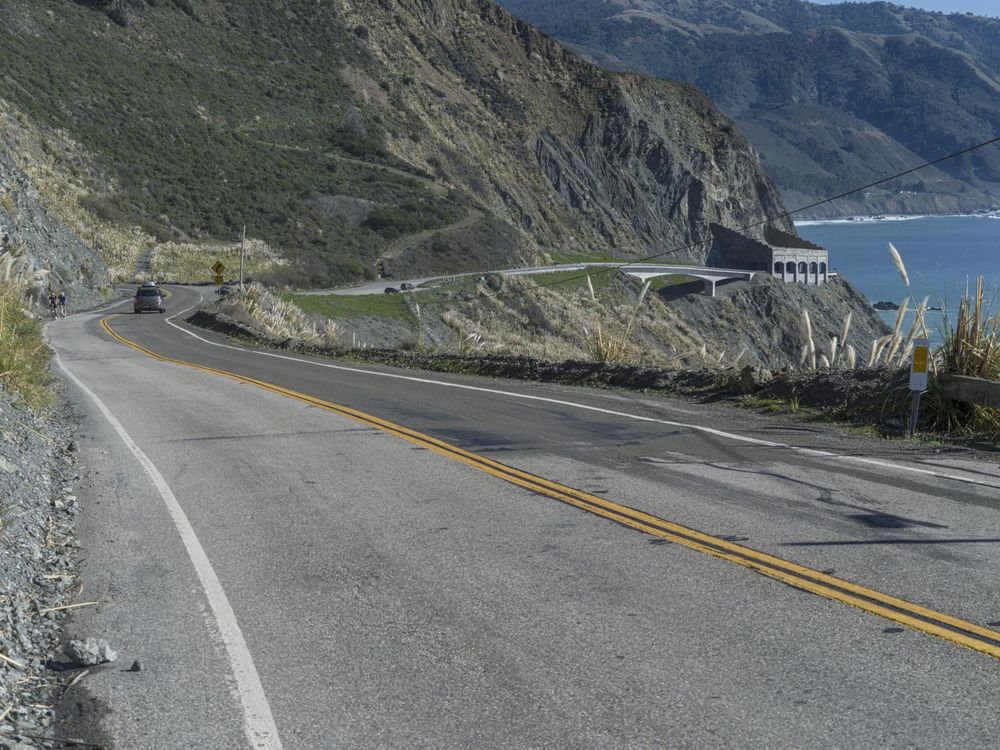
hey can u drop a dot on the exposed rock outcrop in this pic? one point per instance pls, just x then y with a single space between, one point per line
59 260
575 158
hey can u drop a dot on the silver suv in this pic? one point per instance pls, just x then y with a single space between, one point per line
148 298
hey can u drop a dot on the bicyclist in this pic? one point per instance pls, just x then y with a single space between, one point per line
52 304
62 304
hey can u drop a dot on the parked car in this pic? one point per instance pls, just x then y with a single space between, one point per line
391 290
406 287
148 298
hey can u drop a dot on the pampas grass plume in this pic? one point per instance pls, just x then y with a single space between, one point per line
897 260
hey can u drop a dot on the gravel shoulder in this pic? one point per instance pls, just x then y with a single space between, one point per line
37 567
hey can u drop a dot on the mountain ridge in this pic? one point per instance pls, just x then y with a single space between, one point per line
899 87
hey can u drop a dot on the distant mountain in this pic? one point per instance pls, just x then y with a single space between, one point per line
433 134
832 96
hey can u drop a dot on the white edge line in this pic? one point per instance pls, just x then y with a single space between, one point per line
585 407
258 722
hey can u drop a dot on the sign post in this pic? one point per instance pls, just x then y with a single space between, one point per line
243 252
918 378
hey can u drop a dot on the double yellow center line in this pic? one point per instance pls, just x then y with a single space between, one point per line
869 600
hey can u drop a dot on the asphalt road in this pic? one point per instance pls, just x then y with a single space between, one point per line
384 593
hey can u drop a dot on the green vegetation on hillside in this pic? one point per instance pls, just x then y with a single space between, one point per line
392 306
217 116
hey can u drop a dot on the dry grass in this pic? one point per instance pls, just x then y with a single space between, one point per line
611 319
24 355
837 355
972 345
59 170
894 349
259 309
191 262
18 272
603 347
971 348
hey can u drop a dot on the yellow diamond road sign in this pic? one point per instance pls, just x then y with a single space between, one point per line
218 268
918 366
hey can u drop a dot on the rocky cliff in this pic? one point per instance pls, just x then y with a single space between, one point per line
833 96
575 158
52 257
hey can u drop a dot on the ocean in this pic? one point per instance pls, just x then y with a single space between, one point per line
942 254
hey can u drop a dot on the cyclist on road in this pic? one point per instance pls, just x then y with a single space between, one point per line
62 304
52 304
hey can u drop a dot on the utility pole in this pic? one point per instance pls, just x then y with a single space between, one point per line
243 252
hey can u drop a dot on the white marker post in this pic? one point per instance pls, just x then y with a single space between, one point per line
918 378
243 252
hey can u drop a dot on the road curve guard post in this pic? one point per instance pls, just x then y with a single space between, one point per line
919 365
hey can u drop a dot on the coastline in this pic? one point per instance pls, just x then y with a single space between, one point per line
885 218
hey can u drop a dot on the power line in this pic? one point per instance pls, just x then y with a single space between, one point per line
754 225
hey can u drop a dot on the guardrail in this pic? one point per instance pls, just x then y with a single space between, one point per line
971 390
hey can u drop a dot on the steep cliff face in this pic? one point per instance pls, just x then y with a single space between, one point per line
832 95
576 158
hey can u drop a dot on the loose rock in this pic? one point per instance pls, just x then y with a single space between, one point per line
90 652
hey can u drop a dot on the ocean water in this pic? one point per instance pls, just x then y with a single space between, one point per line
942 254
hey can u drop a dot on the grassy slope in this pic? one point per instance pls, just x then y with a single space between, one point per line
24 355
391 306
193 118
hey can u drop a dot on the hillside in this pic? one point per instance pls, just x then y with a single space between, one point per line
348 133
833 96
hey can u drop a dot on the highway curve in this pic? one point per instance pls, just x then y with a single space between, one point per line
305 553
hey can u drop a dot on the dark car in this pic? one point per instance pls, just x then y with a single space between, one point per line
391 290
148 298
406 287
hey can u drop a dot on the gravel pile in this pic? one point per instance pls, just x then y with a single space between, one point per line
37 511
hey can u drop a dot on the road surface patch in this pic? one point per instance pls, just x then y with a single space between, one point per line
915 616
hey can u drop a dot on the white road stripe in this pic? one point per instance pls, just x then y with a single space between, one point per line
636 417
258 723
